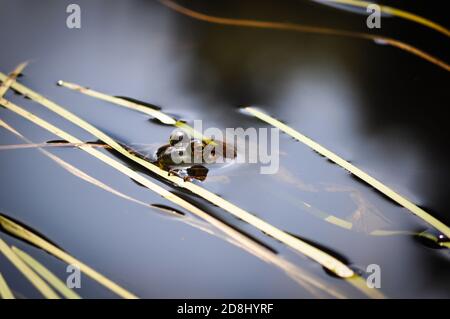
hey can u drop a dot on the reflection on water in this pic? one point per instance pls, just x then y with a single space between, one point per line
376 107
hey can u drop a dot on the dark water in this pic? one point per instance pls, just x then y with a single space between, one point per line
378 107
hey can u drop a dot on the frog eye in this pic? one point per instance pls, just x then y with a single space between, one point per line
180 153
178 136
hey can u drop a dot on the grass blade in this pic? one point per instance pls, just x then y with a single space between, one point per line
25 234
11 78
164 118
34 279
42 145
46 274
69 167
5 292
395 12
9 128
305 28
419 212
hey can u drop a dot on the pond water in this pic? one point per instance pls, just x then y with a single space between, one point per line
380 108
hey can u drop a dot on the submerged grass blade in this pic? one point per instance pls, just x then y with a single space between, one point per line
60 286
300 246
315 211
72 169
419 212
5 292
361 284
305 28
34 279
305 279
395 12
7 127
345 224
43 145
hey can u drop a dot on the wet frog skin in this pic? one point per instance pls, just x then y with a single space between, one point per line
185 157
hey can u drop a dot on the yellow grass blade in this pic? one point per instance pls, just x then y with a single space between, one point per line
11 78
23 233
419 212
298 245
35 280
116 100
166 119
398 13
380 232
433 237
60 286
5 292
361 284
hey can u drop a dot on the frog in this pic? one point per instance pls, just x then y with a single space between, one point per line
187 157
182 157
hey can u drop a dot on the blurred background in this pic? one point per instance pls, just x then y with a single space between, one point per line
378 107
